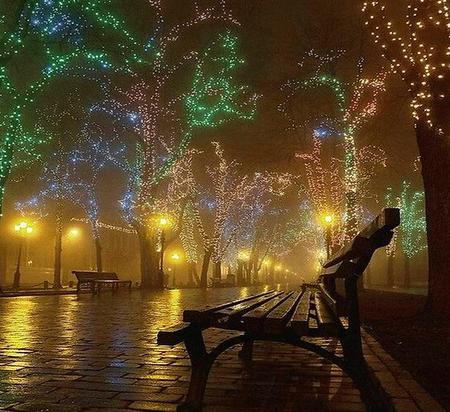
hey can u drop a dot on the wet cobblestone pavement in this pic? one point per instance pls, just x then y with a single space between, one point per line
92 353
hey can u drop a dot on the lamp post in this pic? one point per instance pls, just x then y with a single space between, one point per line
327 220
22 229
175 259
163 223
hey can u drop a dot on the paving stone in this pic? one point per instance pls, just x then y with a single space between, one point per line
99 353
153 397
153 406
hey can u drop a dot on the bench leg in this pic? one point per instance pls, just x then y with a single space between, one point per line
201 365
246 353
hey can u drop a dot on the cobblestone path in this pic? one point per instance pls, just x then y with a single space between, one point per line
92 353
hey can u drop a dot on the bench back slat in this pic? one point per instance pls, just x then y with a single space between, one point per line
86 276
377 234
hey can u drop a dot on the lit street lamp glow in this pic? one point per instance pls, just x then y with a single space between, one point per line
23 229
74 232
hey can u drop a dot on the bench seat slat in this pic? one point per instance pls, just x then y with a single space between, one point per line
174 334
232 316
202 314
326 322
299 321
278 318
253 320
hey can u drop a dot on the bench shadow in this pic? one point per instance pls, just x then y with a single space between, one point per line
280 378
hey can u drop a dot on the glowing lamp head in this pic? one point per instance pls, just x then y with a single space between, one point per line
74 232
163 222
176 257
24 228
327 219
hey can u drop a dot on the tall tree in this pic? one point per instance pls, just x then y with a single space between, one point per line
213 98
56 38
412 227
417 46
356 104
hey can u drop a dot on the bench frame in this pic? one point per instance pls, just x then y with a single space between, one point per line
96 280
346 265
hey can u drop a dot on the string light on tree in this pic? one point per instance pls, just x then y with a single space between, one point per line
352 113
54 26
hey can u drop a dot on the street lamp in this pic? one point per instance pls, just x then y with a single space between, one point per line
175 259
23 229
327 220
73 233
163 222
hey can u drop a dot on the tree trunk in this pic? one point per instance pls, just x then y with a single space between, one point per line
271 275
3 252
240 273
148 262
390 270
193 278
407 274
217 274
205 266
435 157
98 254
58 251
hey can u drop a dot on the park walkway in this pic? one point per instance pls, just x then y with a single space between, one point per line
89 353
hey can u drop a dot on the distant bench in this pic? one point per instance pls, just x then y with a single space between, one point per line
328 308
96 280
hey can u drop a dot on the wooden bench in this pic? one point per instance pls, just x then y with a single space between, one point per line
96 280
328 308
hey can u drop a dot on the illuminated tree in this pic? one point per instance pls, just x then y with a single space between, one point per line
412 226
55 38
416 44
213 99
263 224
190 244
72 177
356 104
221 199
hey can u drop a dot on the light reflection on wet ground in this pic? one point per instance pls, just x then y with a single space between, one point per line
88 352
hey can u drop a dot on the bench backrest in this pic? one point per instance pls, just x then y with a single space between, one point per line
355 256
86 275
342 270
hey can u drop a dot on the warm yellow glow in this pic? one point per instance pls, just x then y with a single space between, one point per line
23 227
244 255
327 219
163 222
176 257
278 267
267 261
74 232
